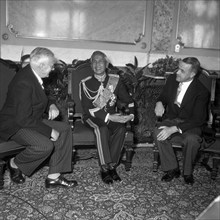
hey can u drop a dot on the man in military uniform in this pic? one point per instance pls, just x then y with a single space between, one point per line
99 95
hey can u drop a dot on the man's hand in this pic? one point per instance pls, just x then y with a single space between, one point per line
159 109
53 112
54 135
166 132
121 118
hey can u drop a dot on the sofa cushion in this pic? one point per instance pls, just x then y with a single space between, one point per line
9 148
82 134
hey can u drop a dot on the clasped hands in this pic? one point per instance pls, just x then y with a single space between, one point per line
121 118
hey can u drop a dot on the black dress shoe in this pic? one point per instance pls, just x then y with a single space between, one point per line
15 174
60 182
188 179
170 174
106 177
113 173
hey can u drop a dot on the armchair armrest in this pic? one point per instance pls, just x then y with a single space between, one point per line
72 116
70 112
123 109
215 110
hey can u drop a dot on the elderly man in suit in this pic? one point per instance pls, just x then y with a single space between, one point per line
23 120
184 100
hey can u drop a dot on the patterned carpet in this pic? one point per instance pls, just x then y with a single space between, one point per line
140 196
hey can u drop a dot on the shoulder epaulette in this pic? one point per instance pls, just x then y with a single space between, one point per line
86 79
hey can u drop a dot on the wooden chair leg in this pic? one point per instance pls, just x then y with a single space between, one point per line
215 162
2 167
156 158
205 161
129 155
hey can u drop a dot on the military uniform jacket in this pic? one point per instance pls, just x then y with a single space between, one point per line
113 91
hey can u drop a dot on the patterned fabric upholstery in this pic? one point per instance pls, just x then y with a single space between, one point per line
8 148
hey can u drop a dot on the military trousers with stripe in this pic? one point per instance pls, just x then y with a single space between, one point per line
109 140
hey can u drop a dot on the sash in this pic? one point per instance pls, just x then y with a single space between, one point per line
107 93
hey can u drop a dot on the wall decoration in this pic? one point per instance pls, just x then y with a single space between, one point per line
121 21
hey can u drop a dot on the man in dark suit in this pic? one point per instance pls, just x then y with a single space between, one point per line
184 100
99 96
22 120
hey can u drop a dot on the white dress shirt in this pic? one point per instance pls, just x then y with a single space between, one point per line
39 79
184 87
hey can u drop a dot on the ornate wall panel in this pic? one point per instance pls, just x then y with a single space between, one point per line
120 21
162 25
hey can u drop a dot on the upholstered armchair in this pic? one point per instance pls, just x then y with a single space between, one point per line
211 138
7 148
83 137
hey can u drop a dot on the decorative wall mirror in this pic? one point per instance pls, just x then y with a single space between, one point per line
113 21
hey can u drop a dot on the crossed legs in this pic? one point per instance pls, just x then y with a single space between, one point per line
40 147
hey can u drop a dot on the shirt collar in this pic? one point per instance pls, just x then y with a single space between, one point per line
187 83
100 78
38 78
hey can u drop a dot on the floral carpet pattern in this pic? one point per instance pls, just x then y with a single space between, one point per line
140 196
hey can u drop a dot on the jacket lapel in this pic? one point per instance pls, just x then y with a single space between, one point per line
175 87
37 86
189 94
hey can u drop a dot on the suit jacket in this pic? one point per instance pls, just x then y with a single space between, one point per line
25 105
193 111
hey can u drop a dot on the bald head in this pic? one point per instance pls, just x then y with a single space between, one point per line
98 53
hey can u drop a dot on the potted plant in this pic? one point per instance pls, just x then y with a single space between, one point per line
145 85
56 87
163 66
